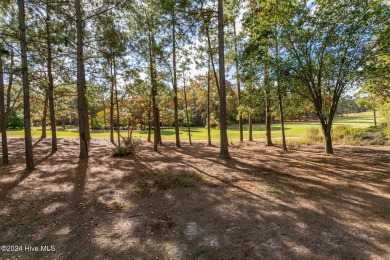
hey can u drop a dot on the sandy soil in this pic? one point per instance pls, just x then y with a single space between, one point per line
189 204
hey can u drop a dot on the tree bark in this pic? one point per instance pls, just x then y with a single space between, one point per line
175 103
284 146
250 128
159 127
10 83
159 139
224 152
238 82
212 58
186 106
26 87
268 119
7 107
149 119
326 130
104 111
44 116
267 101
81 86
153 76
155 122
112 104
131 131
3 122
51 81
117 104
374 117
208 102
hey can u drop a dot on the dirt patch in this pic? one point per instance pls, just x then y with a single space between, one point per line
186 203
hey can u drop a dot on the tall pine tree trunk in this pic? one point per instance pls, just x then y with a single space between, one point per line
284 146
104 112
10 83
117 105
250 128
210 50
208 102
153 78
159 140
175 103
186 106
238 82
149 119
26 87
7 108
51 81
267 99
112 104
159 126
155 121
224 152
268 119
3 122
81 86
44 116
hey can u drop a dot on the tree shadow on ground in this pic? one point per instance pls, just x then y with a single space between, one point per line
186 203
7 187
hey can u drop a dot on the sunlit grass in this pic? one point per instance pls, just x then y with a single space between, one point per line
293 130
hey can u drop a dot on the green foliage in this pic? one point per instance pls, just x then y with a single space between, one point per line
313 135
360 136
348 104
342 131
370 136
96 125
119 151
384 110
386 131
15 121
130 146
245 111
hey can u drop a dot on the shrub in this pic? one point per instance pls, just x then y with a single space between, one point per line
341 131
386 131
130 146
384 110
294 143
14 121
313 135
370 137
360 136
119 151
96 125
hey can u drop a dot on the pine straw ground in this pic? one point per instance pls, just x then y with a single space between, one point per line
189 204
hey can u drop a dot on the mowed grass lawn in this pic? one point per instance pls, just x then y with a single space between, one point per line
293 130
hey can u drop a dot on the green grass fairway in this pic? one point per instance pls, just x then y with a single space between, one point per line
293 130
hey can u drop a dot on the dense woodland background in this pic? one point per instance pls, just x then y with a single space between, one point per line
132 65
